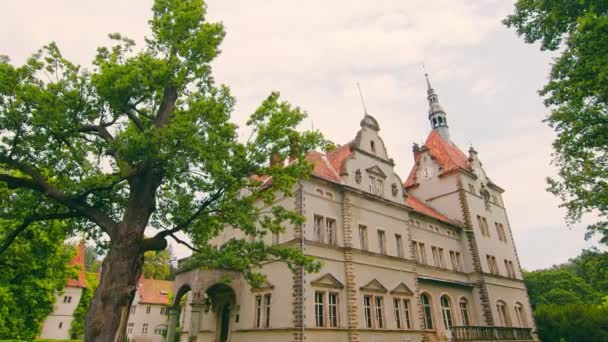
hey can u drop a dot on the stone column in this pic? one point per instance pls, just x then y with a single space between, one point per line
351 289
173 315
196 310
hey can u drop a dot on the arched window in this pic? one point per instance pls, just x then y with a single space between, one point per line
464 311
427 322
521 316
503 314
372 145
434 122
446 312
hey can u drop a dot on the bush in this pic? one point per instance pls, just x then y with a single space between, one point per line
572 322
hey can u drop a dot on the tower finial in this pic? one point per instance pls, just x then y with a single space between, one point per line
362 101
437 115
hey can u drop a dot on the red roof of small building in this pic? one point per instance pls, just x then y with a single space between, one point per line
446 153
154 291
78 260
425 209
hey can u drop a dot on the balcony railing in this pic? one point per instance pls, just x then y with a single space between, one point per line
470 333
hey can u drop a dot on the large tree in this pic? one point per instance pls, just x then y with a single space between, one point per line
577 93
145 140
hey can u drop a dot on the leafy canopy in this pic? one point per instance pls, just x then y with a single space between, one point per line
32 271
144 139
577 94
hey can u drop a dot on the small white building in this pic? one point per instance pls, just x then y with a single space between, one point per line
148 319
57 325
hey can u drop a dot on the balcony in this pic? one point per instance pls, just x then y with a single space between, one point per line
470 333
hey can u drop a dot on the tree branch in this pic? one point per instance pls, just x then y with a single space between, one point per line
182 242
136 121
29 220
39 183
166 107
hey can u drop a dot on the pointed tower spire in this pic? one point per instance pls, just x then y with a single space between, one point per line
437 116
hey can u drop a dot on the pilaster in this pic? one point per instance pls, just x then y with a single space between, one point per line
298 273
351 287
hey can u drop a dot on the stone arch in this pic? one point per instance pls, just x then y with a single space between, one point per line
220 298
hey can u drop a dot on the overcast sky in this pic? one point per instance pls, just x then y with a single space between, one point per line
314 52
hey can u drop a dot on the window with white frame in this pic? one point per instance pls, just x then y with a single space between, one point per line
132 309
160 330
262 311
446 312
373 311
427 313
148 309
318 228
492 265
381 241
130 328
144 329
420 252
483 226
403 314
330 225
503 315
456 260
320 309
363 237
464 311
510 268
326 309
521 317
399 243
438 256
500 231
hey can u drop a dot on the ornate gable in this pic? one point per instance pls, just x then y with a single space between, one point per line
374 286
402 290
327 281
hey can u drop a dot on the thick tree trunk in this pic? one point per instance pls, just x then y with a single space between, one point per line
109 309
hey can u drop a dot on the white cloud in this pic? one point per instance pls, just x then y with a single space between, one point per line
316 51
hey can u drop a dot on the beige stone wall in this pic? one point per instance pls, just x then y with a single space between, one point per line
57 325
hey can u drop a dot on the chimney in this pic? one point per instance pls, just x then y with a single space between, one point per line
276 160
293 148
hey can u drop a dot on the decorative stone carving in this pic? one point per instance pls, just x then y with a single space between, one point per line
358 176
395 189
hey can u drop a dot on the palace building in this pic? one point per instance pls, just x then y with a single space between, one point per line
431 258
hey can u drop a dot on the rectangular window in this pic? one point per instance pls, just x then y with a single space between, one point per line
363 237
407 313
331 231
367 310
397 308
132 309
267 310
493 267
144 329
471 188
379 312
399 242
456 260
438 257
318 228
382 241
258 311
485 226
333 310
420 252
130 328
380 190
148 308
320 309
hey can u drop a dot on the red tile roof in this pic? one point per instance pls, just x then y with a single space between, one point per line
154 291
425 209
78 260
446 153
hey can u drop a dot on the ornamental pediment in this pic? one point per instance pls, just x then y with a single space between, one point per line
376 171
402 290
374 286
264 286
327 281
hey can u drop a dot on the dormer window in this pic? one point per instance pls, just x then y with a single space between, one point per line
373 146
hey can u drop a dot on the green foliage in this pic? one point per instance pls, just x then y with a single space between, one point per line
77 328
145 139
556 286
91 259
572 323
159 265
577 94
32 271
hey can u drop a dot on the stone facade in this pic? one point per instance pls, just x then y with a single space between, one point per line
402 261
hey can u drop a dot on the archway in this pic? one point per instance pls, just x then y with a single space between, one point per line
222 300
175 313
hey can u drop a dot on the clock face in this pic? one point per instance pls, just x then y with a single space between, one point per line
427 173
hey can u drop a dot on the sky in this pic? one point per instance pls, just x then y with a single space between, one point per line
314 52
